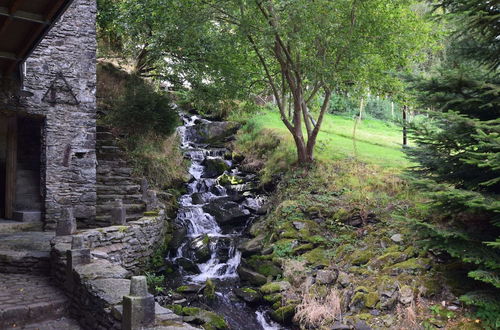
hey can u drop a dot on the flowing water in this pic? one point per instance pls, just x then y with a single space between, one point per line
209 250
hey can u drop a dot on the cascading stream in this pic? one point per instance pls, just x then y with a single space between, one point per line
215 216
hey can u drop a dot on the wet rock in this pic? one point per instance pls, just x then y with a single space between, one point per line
251 277
213 133
248 295
201 248
209 320
214 167
226 212
178 235
252 246
191 288
188 265
197 198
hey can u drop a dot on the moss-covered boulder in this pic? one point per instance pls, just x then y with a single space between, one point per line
228 180
317 257
252 277
361 257
208 320
252 246
284 314
249 295
387 259
275 287
264 265
410 266
214 167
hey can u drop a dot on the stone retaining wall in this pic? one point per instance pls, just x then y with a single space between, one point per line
117 252
25 262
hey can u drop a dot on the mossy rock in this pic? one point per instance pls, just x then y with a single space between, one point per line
388 259
273 298
410 266
208 320
275 287
248 294
303 248
264 266
371 299
209 291
177 309
361 257
316 257
151 213
284 314
227 180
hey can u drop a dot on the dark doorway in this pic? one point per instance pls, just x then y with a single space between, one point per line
28 204
21 194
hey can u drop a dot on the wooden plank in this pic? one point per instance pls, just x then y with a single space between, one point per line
11 167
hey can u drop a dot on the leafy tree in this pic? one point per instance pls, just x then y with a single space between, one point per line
459 153
303 51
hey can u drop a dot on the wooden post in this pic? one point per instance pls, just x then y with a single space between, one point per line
11 167
405 138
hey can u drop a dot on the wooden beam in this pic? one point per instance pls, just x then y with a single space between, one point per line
9 56
24 15
53 9
11 167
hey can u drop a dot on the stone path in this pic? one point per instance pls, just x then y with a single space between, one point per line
31 302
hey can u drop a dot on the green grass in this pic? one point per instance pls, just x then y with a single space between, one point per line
377 142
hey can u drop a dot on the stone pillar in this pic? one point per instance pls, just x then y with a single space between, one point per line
66 225
139 306
118 213
78 255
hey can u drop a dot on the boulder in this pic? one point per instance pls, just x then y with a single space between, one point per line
212 133
251 246
248 295
226 212
201 248
275 287
327 276
214 167
188 265
251 277
178 236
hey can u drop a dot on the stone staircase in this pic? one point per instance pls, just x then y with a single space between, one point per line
115 181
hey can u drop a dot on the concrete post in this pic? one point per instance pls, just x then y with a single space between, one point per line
78 255
118 213
139 306
67 223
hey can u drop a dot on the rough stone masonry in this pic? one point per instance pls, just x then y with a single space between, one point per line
61 73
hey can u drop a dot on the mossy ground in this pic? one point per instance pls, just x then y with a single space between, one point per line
313 209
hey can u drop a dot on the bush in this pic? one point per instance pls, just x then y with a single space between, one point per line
143 110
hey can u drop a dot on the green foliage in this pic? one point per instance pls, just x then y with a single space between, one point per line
458 154
156 283
142 110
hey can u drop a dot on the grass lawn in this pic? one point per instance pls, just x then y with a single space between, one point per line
377 142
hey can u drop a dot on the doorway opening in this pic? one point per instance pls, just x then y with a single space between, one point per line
21 170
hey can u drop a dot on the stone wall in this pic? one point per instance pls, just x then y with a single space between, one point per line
61 73
130 246
97 288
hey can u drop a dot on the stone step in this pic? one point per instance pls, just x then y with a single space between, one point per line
109 170
10 226
118 189
27 299
109 156
105 220
118 179
109 149
131 208
127 199
112 163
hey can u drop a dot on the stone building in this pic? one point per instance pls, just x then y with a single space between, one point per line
47 109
